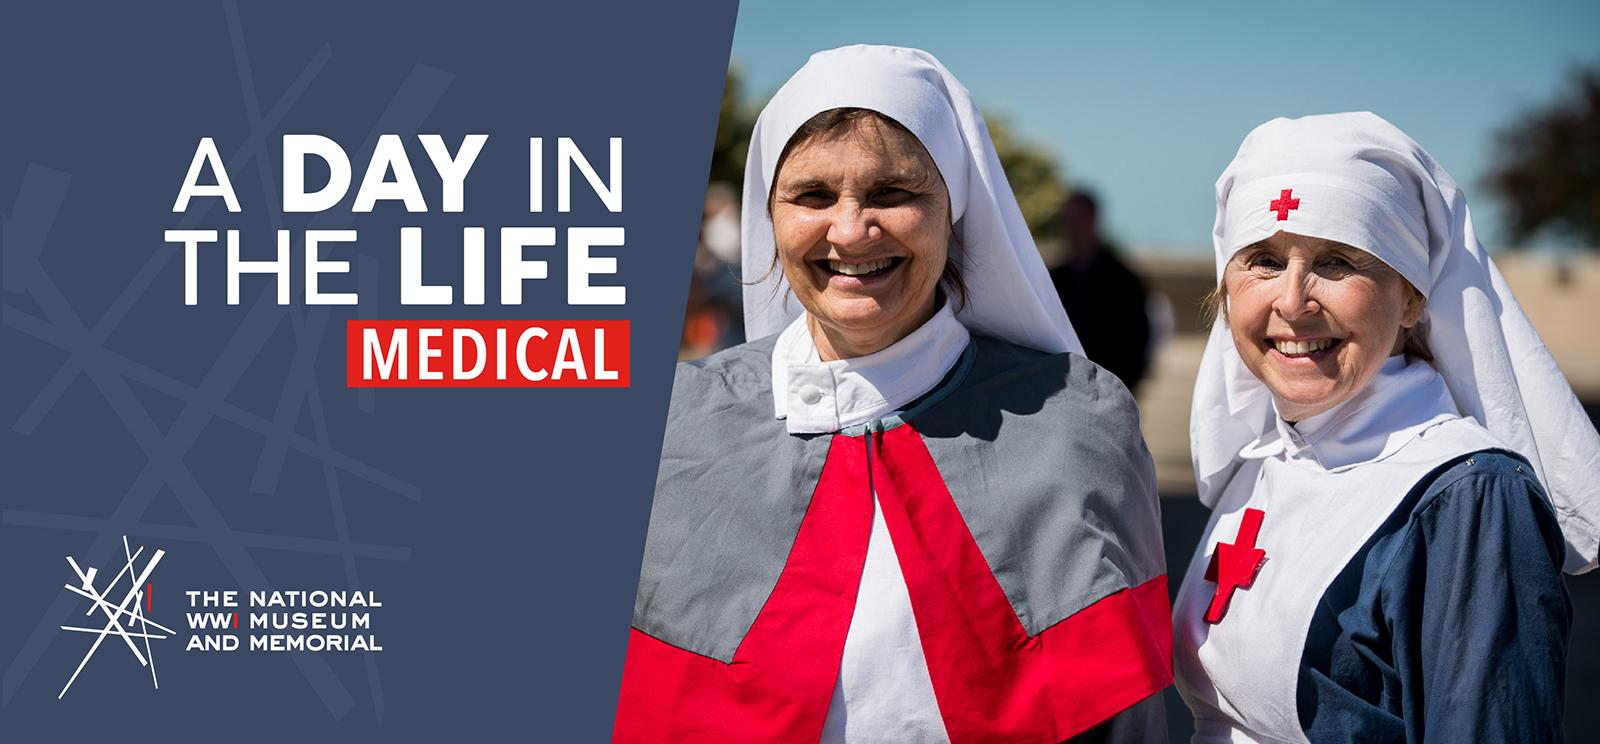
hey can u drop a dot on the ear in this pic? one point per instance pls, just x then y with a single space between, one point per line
1415 304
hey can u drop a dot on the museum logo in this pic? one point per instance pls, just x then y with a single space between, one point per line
125 610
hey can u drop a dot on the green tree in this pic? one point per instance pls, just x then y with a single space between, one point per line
1548 172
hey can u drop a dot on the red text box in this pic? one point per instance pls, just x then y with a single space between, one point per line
486 353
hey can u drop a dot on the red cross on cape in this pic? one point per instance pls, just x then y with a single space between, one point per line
1234 566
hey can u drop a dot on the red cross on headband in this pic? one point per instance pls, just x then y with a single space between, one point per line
1283 204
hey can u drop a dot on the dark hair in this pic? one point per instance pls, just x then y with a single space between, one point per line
832 120
1416 345
1084 197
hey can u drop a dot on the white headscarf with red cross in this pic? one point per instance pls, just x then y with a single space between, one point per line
1357 179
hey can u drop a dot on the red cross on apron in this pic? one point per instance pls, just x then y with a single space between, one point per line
1234 566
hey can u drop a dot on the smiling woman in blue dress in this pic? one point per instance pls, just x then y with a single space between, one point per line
1391 457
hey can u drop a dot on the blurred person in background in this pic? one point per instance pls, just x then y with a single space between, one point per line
714 288
1105 299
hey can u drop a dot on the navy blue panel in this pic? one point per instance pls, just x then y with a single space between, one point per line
1452 621
502 529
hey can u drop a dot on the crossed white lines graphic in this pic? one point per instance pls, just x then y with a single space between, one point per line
114 613
56 322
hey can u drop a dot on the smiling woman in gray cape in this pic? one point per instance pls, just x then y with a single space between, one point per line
912 514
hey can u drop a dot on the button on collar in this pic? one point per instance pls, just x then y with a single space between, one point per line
810 394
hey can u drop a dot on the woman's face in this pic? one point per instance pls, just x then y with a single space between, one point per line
1314 319
861 219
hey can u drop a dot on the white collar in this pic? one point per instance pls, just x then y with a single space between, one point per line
1406 398
816 397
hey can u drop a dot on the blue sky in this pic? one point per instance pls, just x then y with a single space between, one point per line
1147 102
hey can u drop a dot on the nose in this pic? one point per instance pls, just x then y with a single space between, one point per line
852 228
1295 296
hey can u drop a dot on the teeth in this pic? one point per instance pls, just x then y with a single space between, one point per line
1301 348
857 269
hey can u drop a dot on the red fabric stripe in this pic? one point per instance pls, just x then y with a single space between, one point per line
993 682
781 680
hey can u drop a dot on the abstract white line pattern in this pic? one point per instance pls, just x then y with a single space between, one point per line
138 626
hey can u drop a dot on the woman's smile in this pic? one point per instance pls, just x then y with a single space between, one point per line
1302 352
860 275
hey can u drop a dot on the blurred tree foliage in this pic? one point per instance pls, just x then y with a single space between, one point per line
1035 178
1034 175
734 123
1548 173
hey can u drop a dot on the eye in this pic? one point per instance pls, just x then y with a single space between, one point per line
814 199
891 196
1336 264
1265 260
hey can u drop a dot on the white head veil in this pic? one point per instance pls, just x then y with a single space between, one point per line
1356 179
1010 294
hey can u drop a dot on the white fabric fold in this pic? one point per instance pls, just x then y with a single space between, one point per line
1406 398
1359 180
817 397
